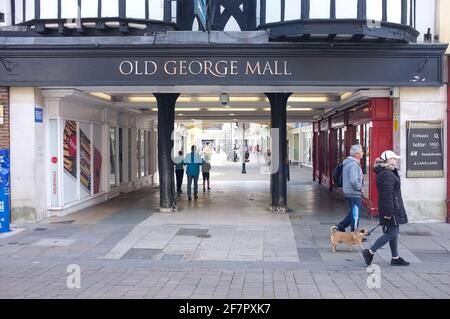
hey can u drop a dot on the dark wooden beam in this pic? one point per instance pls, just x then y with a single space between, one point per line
384 9
99 9
24 10
122 9
305 9
59 9
262 14
283 9
147 13
37 9
13 12
362 9
332 9
404 12
250 13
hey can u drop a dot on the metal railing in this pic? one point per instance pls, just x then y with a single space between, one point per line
407 10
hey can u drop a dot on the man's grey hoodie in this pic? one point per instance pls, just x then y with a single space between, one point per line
352 178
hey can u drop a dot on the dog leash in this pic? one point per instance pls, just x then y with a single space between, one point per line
370 232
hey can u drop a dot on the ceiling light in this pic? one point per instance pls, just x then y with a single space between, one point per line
101 95
142 99
187 109
309 99
179 109
207 99
248 99
234 109
290 109
346 95
300 109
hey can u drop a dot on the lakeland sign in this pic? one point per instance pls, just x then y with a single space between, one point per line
239 65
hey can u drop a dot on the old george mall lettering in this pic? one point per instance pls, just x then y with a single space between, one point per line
222 68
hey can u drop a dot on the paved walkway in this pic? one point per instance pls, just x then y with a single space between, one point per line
224 245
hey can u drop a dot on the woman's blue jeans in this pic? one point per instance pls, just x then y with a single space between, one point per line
391 236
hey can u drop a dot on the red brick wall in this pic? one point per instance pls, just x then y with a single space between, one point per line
4 128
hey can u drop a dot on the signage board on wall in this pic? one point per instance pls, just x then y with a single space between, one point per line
38 114
4 191
424 149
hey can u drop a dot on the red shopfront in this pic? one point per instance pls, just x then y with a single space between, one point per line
369 124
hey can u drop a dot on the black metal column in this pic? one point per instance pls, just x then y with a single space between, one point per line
166 121
278 185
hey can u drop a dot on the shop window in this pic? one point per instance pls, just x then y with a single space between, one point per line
113 157
78 175
149 154
342 144
142 153
85 160
308 136
120 155
367 157
70 149
138 153
129 155
97 164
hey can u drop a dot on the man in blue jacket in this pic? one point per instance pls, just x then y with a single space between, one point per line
352 186
193 161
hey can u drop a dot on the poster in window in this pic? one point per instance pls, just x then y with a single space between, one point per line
70 147
97 170
85 161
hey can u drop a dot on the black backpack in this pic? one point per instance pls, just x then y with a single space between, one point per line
337 175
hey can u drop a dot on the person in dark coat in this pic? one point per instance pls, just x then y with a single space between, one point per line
391 210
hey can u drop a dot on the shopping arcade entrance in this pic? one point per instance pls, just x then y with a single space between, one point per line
274 69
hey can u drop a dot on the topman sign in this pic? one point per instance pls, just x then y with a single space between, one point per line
238 65
219 69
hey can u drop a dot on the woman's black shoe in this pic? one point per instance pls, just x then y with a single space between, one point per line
399 262
368 257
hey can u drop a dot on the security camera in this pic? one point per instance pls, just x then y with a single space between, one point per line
224 99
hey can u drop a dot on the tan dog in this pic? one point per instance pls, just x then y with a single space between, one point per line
353 238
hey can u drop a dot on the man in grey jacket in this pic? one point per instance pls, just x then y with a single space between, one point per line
352 186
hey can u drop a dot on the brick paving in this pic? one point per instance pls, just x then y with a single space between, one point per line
225 245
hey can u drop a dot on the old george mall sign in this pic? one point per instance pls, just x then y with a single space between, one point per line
273 65
219 69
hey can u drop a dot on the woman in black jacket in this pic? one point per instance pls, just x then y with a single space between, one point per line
390 207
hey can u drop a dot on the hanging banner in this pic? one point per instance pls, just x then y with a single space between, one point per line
5 213
425 156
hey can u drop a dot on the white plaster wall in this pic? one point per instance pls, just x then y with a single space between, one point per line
28 149
425 198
